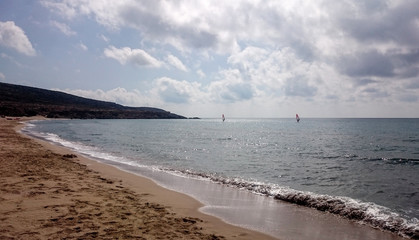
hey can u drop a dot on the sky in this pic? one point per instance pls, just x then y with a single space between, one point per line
253 59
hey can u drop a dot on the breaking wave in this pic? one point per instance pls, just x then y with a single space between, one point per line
363 212
411 161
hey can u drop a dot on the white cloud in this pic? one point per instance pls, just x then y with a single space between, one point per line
200 73
230 88
117 95
159 21
134 56
274 72
14 37
104 38
313 28
2 76
11 59
168 94
174 61
64 8
83 47
174 91
64 28
311 53
280 75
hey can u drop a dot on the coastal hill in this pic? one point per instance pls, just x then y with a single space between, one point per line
17 100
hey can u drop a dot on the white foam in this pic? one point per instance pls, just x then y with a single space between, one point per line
364 212
89 151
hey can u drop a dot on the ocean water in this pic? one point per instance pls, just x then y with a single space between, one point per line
366 170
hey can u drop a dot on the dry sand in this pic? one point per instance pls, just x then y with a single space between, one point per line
48 192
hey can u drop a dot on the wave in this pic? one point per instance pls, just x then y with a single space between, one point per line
363 212
90 151
393 161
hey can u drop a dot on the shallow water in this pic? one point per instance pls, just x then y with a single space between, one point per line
363 169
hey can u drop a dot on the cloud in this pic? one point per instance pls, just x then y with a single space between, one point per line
287 52
160 24
277 72
11 59
104 38
375 92
83 47
165 90
64 28
230 88
2 76
65 9
183 25
382 22
118 95
298 86
363 81
14 37
136 57
408 98
174 91
200 73
311 28
236 92
174 61
367 64
413 84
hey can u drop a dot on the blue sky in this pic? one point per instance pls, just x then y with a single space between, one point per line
204 58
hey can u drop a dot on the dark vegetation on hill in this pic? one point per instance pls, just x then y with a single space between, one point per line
16 100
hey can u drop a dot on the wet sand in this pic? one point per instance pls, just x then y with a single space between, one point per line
49 192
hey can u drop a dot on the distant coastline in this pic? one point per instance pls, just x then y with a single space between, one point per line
17 101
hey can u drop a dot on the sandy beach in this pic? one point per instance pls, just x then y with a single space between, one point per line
49 192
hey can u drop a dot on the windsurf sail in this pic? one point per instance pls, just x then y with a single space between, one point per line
223 118
297 117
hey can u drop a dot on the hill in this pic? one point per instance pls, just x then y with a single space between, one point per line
17 100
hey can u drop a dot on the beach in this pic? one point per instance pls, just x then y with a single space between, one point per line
49 192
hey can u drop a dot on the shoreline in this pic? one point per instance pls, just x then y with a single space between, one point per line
85 185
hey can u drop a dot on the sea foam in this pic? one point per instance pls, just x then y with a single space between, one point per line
362 212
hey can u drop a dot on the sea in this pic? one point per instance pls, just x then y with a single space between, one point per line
252 172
